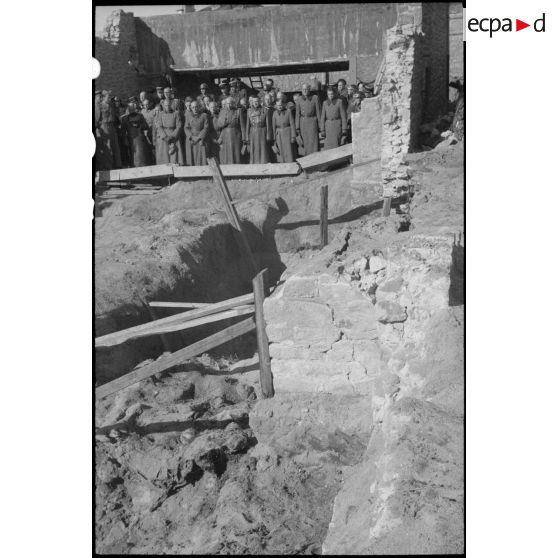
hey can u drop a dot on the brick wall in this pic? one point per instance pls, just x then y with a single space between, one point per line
132 58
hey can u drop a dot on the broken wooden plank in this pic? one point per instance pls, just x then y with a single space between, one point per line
121 336
321 159
240 171
188 324
158 304
178 357
135 173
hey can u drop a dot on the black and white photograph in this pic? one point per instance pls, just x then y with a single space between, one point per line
279 248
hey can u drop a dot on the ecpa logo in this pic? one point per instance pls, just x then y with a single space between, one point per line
494 24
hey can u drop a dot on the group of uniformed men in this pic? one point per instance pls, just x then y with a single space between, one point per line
233 126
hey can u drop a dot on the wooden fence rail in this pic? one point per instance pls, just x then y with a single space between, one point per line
154 327
178 357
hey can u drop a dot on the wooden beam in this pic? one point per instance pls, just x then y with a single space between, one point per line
240 171
321 159
135 173
120 336
266 378
188 324
176 358
157 304
323 215
233 215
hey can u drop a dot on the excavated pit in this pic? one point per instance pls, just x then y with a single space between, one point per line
195 461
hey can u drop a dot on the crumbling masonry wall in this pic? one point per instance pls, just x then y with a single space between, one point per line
132 57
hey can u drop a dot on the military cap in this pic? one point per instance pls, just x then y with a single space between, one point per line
204 85
98 92
234 81
159 88
132 99
224 84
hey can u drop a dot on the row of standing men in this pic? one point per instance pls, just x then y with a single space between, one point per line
234 128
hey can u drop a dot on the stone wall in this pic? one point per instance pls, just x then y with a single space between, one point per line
381 328
132 58
322 333
401 107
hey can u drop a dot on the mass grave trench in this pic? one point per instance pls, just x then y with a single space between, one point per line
176 245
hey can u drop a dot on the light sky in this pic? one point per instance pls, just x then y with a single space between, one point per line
102 12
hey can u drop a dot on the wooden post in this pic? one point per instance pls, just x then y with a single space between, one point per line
232 214
387 207
323 215
266 379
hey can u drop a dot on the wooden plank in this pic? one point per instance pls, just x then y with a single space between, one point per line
176 358
327 157
323 215
266 378
188 324
233 215
240 171
120 336
135 173
157 304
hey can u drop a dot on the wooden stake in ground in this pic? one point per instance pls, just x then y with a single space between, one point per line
323 215
387 207
260 291
232 215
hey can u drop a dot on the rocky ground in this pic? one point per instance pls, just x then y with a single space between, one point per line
195 461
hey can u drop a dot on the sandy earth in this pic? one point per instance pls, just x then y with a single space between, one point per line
195 461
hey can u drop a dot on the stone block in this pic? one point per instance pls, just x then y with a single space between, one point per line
369 354
289 350
390 312
341 351
301 287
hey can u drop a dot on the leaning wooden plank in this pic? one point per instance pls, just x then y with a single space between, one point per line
121 336
158 304
175 358
327 157
188 324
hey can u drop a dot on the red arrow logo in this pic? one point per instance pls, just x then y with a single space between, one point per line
519 25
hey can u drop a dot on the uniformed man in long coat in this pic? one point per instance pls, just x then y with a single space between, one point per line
135 131
212 139
149 113
231 130
196 128
107 133
169 126
284 132
306 120
258 133
269 107
333 122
